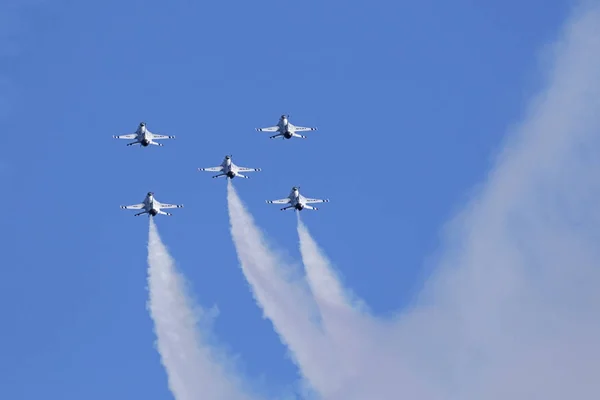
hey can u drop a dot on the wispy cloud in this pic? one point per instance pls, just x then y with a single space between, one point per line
13 25
195 367
512 310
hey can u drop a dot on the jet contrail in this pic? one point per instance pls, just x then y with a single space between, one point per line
339 319
284 301
194 369
334 303
360 344
322 279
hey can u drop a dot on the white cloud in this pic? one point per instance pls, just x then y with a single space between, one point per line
512 311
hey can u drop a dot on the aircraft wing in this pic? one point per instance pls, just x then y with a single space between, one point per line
211 169
245 169
303 129
163 205
162 136
129 136
308 201
269 129
134 207
280 201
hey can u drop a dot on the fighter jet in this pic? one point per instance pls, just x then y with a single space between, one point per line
229 169
151 206
144 137
285 129
297 201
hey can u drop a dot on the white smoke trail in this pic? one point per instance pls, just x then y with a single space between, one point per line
323 281
368 363
284 301
195 371
337 312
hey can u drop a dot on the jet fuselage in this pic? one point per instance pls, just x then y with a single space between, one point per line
142 133
285 128
296 200
150 205
228 168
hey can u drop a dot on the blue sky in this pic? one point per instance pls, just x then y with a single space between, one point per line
411 101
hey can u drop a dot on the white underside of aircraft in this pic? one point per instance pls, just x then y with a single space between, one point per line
229 169
285 129
144 137
296 201
151 206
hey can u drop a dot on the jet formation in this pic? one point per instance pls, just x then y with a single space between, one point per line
227 168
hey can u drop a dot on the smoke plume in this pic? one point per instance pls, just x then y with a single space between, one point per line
195 370
283 298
